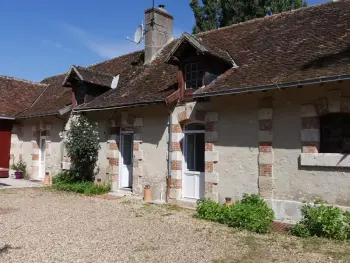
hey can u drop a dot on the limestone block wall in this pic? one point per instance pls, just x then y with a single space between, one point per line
25 142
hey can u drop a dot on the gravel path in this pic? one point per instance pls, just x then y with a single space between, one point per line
39 225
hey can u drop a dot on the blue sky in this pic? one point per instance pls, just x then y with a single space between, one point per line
41 38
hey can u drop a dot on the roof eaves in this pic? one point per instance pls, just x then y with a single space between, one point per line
271 86
145 103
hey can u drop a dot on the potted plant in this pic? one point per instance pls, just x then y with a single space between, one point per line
20 168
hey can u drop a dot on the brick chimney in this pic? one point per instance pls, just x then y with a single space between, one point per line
159 30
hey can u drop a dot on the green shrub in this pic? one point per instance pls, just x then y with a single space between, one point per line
21 166
86 188
83 144
251 213
65 177
210 210
323 221
300 230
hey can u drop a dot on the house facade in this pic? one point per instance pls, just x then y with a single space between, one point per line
259 107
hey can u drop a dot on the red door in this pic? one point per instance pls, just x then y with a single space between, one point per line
5 143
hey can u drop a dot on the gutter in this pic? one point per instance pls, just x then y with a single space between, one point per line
37 115
6 118
170 150
273 86
120 107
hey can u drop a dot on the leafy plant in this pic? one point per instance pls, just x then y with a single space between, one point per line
251 213
86 188
210 210
20 166
82 143
65 178
323 221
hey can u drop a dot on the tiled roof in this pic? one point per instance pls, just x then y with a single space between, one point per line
304 44
54 98
200 46
93 77
17 95
138 83
300 45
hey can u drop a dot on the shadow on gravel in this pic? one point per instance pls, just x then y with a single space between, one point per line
6 248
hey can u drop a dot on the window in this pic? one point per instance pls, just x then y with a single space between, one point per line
193 76
335 133
195 147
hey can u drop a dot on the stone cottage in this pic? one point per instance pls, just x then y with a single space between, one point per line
259 107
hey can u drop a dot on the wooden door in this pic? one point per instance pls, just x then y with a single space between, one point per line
5 143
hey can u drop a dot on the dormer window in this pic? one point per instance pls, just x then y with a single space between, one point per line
193 73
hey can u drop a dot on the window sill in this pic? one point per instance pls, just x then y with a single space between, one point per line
325 159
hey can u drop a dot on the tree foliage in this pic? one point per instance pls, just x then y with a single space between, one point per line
82 144
213 14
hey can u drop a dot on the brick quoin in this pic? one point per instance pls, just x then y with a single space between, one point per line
176 147
113 147
265 170
35 157
265 147
176 165
176 183
177 128
114 161
136 146
310 149
209 167
209 147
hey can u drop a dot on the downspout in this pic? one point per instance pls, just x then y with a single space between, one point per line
170 125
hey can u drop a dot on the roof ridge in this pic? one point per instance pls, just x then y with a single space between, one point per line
255 20
22 80
141 50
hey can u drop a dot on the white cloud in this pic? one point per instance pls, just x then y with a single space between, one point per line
103 47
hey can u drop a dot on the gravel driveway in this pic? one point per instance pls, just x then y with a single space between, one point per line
40 225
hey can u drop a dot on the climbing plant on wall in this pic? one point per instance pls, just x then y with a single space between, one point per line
82 144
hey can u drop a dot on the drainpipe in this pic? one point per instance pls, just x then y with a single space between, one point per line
170 126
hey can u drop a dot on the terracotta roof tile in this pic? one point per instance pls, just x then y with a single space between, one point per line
138 83
303 44
17 95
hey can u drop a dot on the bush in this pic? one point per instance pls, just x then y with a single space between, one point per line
82 143
210 210
86 188
300 230
323 221
65 177
251 213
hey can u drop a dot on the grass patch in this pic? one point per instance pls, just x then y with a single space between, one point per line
86 188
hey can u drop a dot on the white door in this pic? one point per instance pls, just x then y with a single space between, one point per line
194 154
42 157
126 160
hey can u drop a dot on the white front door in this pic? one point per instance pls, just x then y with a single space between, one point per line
126 160
194 154
42 157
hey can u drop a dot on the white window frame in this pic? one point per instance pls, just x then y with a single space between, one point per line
184 168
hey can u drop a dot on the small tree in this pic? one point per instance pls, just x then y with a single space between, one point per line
82 144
